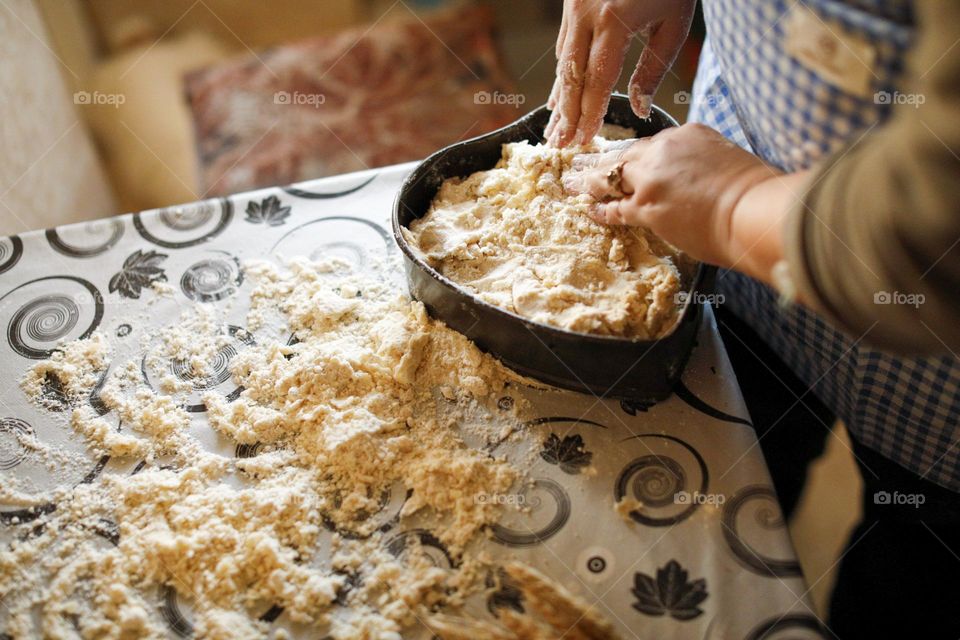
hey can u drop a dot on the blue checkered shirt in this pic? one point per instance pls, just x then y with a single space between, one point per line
752 89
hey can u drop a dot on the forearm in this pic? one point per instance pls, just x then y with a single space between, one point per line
756 242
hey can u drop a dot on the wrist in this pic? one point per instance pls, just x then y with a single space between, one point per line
751 223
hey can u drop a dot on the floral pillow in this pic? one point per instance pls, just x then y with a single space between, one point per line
363 98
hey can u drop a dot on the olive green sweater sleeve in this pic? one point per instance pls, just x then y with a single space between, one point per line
875 243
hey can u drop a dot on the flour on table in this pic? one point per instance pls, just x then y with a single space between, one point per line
370 396
513 237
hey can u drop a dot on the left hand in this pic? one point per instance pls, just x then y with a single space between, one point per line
684 184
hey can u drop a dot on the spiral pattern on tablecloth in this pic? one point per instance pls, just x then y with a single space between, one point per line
660 480
12 451
216 374
352 241
58 308
212 279
248 450
187 218
11 248
435 551
86 241
184 226
747 518
170 610
219 367
546 508
45 319
384 517
654 480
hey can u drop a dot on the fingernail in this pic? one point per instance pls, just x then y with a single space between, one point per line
558 133
642 104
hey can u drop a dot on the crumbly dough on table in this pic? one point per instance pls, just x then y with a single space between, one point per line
373 394
550 612
513 237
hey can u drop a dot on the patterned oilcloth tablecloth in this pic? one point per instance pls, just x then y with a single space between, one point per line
705 553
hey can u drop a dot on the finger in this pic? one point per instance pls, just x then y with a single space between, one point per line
613 212
607 53
570 70
609 155
656 59
554 92
555 89
584 161
561 36
618 145
554 113
598 182
593 182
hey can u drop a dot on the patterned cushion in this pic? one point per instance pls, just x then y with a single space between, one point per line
366 97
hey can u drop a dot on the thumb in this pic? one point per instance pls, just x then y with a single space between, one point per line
662 47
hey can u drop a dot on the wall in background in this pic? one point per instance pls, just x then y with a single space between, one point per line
49 172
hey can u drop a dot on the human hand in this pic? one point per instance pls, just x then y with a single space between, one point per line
591 47
685 184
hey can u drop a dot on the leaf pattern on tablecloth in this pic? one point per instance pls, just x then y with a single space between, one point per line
631 407
268 211
569 453
140 270
671 593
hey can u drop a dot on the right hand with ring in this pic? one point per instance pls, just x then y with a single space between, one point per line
591 48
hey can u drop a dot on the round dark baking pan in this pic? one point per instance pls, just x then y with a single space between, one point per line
604 365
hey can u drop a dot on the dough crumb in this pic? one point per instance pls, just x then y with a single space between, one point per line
352 419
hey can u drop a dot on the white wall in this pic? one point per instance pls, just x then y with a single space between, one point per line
49 172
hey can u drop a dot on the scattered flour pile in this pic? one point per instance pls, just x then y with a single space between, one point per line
366 397
515 238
